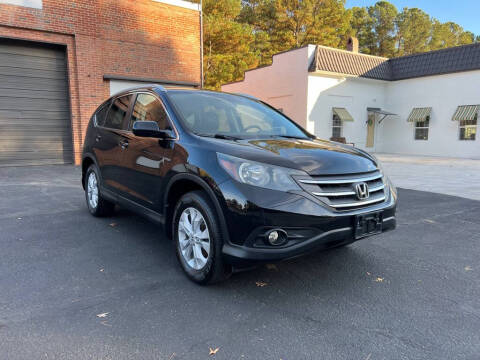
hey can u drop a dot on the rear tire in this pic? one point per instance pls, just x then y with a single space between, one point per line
96 204
198 239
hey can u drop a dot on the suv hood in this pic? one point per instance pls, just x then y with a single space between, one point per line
316 157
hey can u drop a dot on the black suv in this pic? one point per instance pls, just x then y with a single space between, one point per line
234 181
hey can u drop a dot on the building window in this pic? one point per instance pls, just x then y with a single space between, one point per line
337 125
421 129
468 129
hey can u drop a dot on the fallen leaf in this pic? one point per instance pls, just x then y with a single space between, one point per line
368 273
102 270
261 283
213 351
103 315
468 268
113 224
272 267
379 279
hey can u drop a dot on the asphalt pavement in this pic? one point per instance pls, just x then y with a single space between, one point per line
77 287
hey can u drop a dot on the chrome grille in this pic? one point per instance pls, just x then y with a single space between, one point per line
339 191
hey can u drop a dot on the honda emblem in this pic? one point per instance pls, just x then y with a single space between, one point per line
361 190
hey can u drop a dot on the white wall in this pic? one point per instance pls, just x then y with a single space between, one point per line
356 95
37 4
441 92
282 85
181 3
120 85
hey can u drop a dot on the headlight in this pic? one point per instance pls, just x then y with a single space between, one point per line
259 174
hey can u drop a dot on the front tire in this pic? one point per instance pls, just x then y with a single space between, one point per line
97 205
198 239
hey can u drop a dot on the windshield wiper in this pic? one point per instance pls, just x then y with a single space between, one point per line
220 136
291 137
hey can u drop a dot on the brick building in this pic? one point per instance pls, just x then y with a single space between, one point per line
59 59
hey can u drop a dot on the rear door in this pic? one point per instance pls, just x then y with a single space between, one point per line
147 160
110 143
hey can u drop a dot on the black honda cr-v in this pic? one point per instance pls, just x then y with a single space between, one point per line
234 181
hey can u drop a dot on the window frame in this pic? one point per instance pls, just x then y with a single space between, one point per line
129 110
106 105
337 126
416 127
460 127
158 98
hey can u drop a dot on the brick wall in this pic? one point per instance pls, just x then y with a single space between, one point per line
135 38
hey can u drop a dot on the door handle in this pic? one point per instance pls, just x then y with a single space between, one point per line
124 144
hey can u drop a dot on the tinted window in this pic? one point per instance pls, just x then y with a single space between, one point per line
210 113
100 114
117 112
148 108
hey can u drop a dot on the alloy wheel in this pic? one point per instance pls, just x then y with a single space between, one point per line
92 190
194 238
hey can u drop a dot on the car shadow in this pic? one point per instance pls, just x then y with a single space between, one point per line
323 273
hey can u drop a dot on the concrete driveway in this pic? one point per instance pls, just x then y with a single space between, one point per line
452 176
77 287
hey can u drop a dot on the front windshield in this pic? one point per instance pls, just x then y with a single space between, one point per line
231 116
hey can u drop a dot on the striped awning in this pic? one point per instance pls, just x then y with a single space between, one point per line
465 112
419 114
343 114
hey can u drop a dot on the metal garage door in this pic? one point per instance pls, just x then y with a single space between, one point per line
35 125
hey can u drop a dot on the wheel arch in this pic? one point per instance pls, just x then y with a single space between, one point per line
178 186
86 162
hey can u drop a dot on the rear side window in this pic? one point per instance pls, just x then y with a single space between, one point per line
101 113
148 108
118 110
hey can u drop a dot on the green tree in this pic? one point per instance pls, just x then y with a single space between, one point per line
414 28
384 15
290 24
449 34
362 28
228 44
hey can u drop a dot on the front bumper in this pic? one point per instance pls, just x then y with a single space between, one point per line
310 225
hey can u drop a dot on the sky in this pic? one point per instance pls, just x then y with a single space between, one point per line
463 12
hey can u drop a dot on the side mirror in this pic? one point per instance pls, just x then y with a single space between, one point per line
150 129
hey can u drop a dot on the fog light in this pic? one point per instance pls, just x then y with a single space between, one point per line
273 237
277 237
